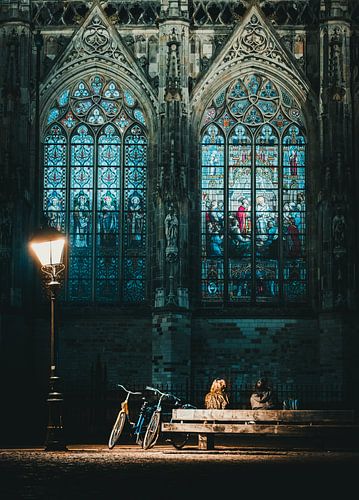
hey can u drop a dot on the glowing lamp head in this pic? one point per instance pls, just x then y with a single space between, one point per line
48 246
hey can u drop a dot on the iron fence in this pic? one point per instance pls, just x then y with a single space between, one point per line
91 416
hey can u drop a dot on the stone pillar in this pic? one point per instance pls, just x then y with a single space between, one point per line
171 323
336 202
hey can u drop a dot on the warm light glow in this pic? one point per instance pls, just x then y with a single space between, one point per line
49 252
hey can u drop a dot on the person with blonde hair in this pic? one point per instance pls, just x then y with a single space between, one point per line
217 397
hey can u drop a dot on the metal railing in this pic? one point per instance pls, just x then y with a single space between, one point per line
91 416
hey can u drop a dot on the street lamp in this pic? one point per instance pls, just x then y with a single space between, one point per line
48 246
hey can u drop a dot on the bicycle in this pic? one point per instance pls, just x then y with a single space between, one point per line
178 440
138 428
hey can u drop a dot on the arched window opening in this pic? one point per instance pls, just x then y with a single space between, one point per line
253 183
95 159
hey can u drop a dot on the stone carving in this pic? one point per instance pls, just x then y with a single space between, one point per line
254 40
338 231
171 232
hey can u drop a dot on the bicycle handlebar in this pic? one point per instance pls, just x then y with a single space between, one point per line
126 390
163 394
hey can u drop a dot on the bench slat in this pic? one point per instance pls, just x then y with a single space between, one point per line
310 416
281 429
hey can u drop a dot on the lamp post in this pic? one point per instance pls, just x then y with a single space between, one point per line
48 246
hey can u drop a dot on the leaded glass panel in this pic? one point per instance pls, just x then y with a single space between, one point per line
95 159
253 183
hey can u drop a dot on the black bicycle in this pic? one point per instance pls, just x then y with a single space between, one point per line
178 440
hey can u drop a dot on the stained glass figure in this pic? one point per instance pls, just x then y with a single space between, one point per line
95 159
253 182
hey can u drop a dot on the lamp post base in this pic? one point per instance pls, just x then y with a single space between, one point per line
55 440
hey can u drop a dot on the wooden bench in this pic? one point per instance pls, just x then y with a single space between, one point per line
307 423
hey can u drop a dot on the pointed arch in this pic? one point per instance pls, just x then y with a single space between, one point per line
253 189
95 186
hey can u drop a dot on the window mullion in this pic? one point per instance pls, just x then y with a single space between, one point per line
253 224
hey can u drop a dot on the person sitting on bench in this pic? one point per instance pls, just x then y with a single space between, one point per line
217 397
263 397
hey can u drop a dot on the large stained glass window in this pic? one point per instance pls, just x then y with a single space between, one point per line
95 157
253 157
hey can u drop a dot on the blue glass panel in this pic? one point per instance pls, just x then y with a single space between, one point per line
109 136
213 154
54 207
293 241
63 98
226 121
240 135
295 269
54 177
253 83
129 98
55 155
97 84
294 156
253 116
81 90
212 279
96 117
107 291
135 155
268 108
135 177
122 122
54 113
213 136
294 179
81 199
81 177
268 90
69 121
240 178
110 107
295 291
112 91
240 284
109 154
136 136
219 99
240 155
238 90
238 108
55 136
267 155
267 136
212 199
108 177
266 178
266 279
138 115
212 179
82 107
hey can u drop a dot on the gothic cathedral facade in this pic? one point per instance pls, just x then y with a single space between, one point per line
201 157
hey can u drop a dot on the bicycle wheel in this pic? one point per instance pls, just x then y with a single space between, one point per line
178 440
117 429
152 432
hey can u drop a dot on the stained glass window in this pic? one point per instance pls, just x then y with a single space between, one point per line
95 159
253 183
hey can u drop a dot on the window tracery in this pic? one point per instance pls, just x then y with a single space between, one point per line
95 158
253 156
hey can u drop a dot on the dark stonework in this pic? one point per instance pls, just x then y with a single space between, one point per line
174 53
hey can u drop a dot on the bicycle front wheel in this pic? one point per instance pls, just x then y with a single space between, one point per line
153 431
117 429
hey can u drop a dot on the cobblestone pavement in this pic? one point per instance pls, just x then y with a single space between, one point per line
95 472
